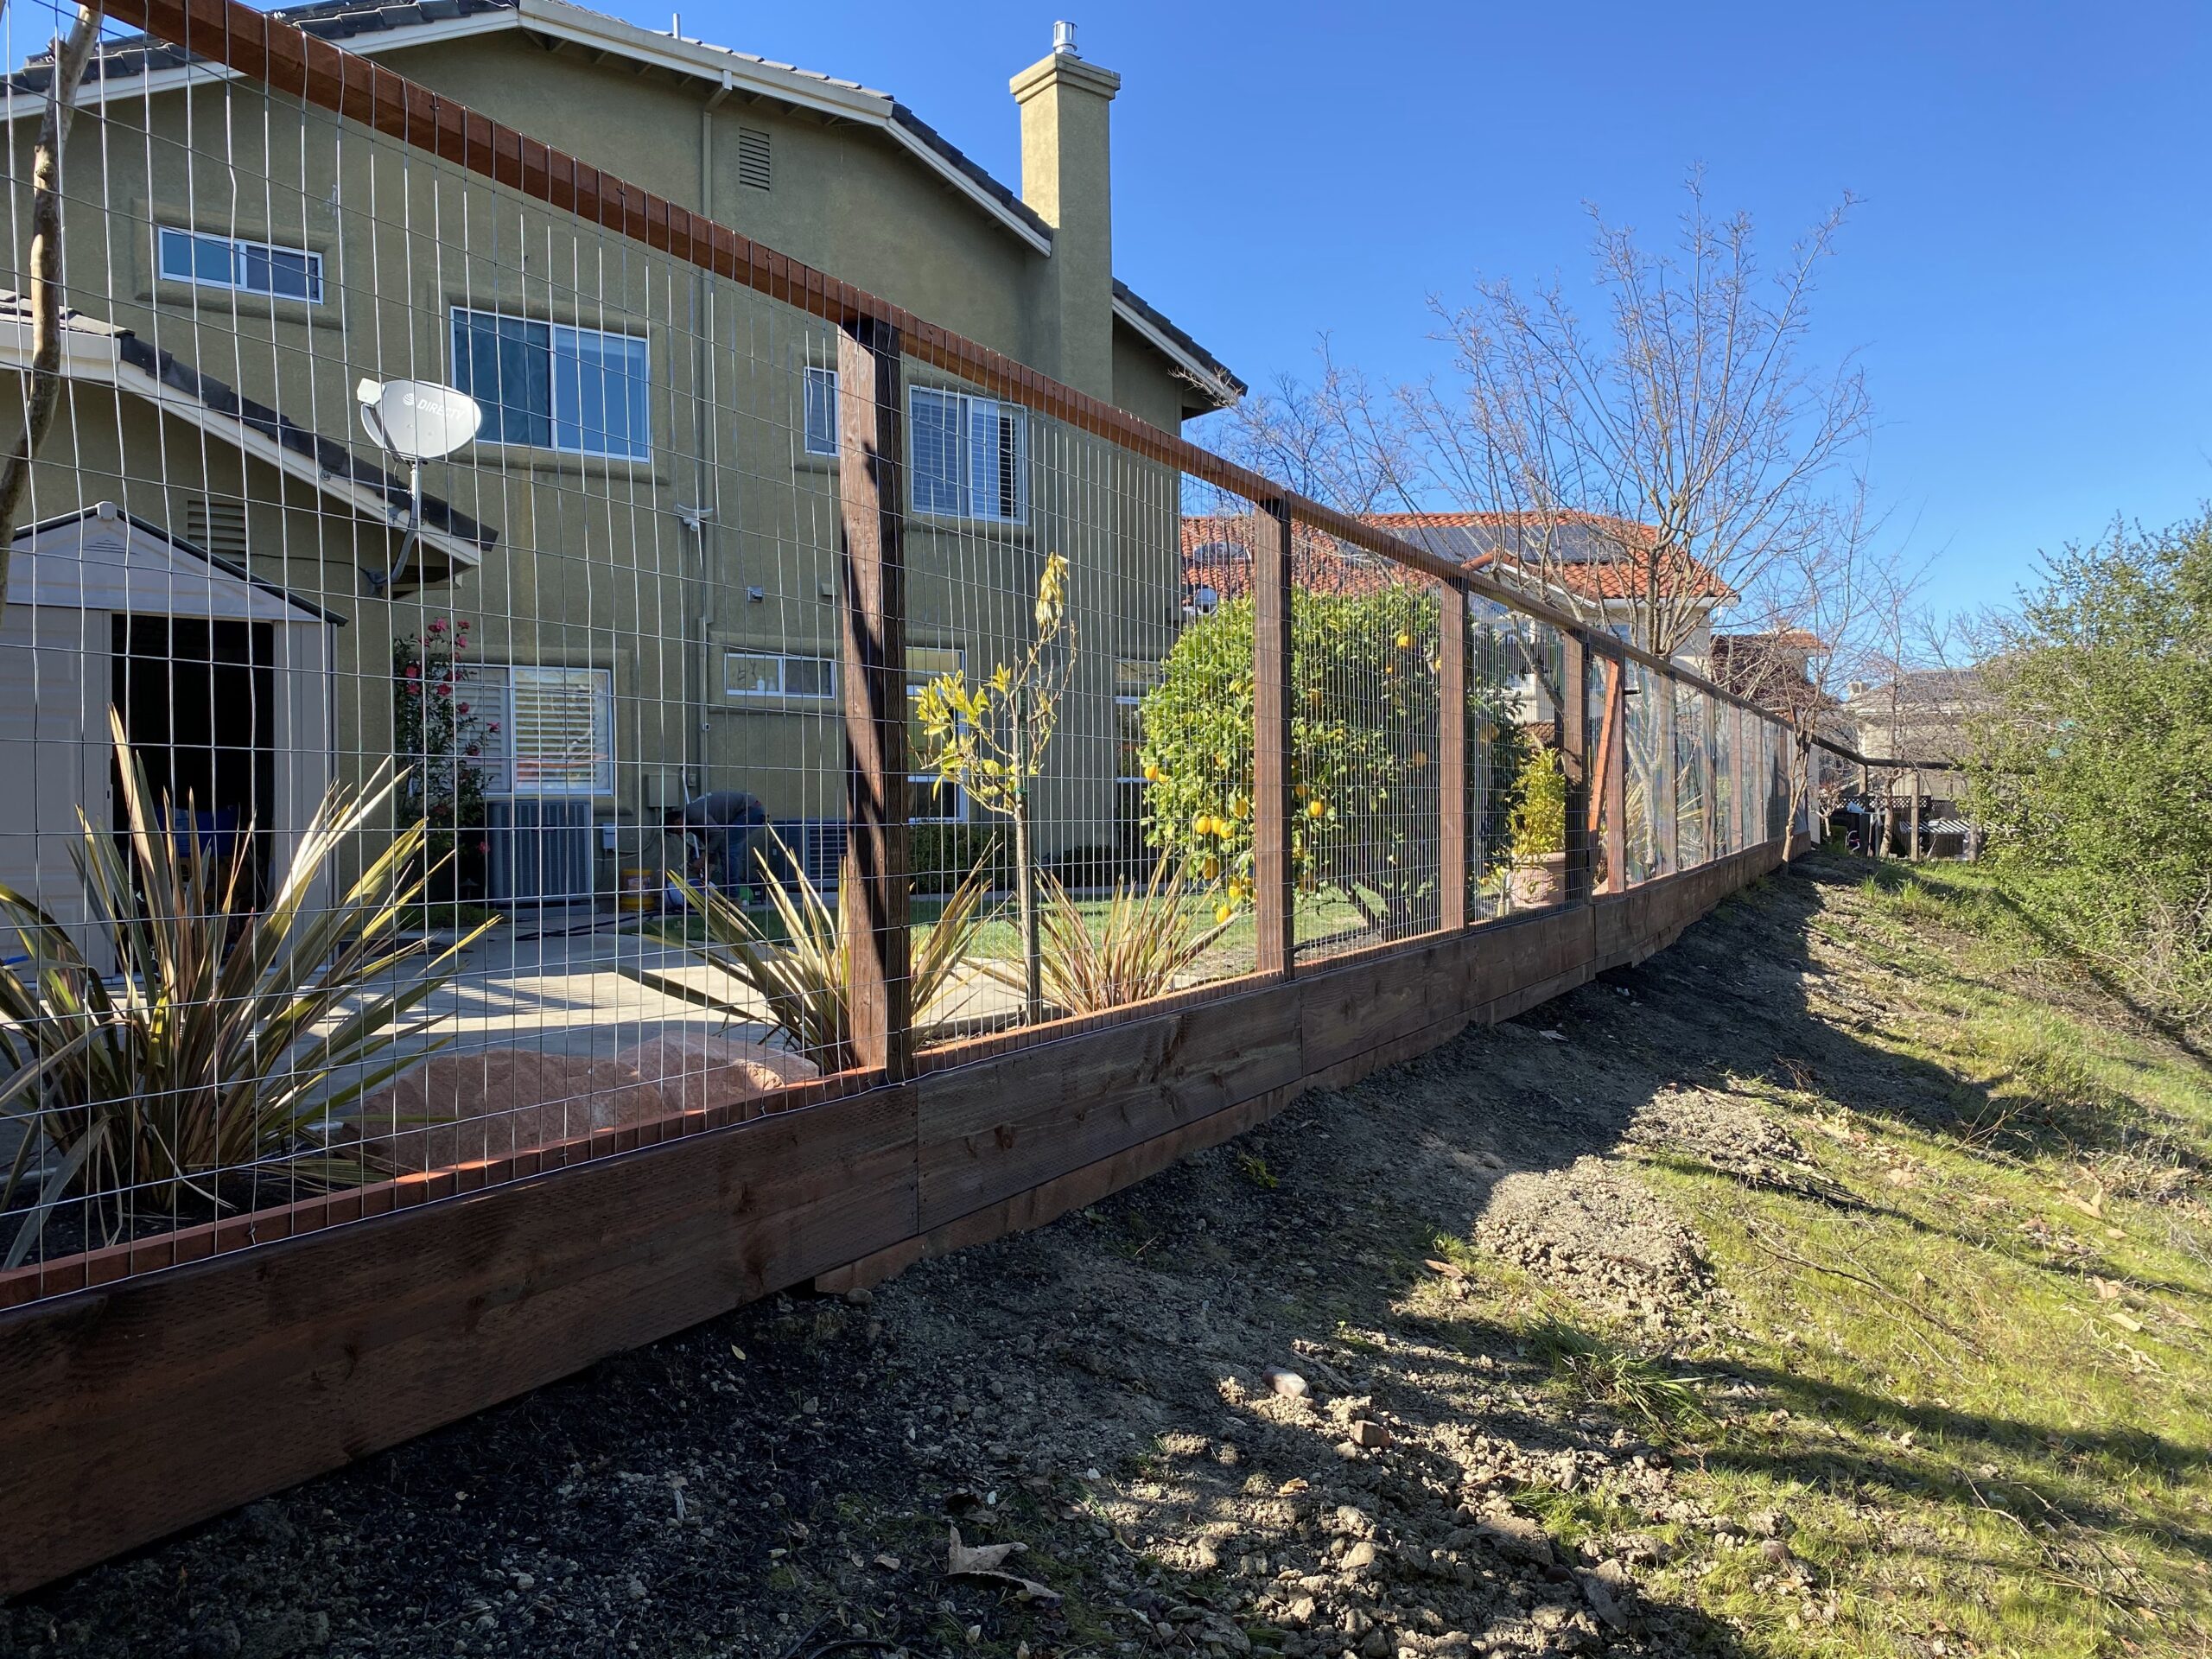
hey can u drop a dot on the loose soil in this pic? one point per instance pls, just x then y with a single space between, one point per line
1468 1358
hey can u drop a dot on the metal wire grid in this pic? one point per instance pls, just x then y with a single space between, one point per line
603 654
1365 741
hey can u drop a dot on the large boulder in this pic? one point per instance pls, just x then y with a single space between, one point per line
694 1072
490 1102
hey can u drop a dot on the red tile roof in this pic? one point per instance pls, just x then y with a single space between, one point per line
1217 554
1594 557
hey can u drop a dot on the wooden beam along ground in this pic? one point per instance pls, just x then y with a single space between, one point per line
119 1404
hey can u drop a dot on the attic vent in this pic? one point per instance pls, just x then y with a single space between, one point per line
216 526
753 158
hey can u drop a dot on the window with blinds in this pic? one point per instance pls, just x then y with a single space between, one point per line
969 456
217 526
560 731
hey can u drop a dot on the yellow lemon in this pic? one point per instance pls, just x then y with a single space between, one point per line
1314 809
1405 642
1203 825
1151 773
1211 868
1224 828
1240 808
1223 912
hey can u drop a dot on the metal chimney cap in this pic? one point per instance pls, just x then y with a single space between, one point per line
1063 38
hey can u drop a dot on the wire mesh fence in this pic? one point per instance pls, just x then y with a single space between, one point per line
478 687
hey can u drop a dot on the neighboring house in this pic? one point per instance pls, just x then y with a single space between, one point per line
1594 566
1919 715
1775 669
1916 716
644 536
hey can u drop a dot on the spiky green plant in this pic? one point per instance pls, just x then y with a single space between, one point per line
1149 937
806 976
226 1035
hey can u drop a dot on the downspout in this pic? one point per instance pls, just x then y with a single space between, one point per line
706 483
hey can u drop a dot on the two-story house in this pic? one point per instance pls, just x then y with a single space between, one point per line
642 540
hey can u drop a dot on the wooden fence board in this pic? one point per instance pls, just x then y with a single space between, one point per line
138 1408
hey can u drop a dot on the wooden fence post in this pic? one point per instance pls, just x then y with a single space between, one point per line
1666 821
1708 781
1273 882
1575 761
873 685
1453 843
1609 809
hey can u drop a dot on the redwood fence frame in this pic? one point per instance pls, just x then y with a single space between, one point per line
175 1377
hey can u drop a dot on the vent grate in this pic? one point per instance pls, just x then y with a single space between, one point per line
756 158
216 526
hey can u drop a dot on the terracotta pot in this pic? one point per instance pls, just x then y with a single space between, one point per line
1539 882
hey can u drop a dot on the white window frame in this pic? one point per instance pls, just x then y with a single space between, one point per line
967 408
782 691
819 382
555 333
601 781
238 247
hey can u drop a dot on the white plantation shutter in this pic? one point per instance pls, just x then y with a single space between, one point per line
560 731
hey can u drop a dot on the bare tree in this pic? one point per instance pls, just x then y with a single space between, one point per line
44 391
1687 425
1833 609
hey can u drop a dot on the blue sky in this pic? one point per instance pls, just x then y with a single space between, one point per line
2028 282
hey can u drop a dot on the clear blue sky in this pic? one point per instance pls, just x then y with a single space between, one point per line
2029 281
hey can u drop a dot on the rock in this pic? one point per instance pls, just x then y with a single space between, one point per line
496 1102
265 1524
1372 1435
1360 1554
1770 1523
1607 1589
695 1073
1376 1644
1517 1536
1289 1384
1299 1613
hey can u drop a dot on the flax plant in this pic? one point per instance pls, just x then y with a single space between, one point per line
226 1038
805 977
1149 935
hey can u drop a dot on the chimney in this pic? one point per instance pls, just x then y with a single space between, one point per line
1065 176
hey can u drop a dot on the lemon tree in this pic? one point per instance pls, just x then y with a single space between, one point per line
1364 736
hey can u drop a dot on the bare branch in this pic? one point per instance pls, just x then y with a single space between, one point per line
44 391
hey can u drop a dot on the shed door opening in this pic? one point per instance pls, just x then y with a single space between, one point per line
197 702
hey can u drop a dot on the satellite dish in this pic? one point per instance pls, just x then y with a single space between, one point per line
417 420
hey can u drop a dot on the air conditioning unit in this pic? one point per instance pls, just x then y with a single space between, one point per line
542 849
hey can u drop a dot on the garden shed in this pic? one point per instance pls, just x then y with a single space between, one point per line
223 682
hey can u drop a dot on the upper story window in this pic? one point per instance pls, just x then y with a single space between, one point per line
207 260
821 411
971 456
583 390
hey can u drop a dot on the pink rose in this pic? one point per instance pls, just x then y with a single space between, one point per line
462 708
413 672
492 726
437 625
445 691
483 845
474 749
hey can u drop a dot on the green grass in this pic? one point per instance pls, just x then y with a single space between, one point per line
1982 1388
